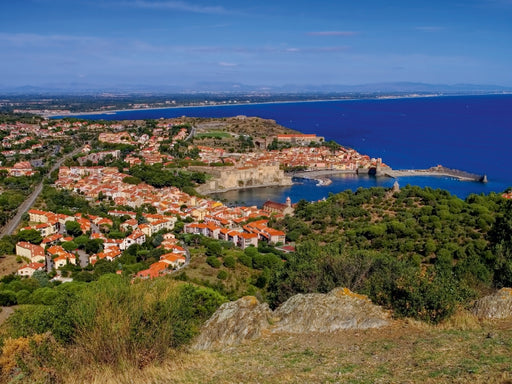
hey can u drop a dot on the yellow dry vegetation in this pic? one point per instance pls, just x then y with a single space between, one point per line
19 355
347 292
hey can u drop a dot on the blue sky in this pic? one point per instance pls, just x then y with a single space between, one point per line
166 42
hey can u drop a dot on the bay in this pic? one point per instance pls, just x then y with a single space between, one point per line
471 133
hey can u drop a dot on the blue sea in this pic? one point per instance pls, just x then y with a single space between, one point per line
471 133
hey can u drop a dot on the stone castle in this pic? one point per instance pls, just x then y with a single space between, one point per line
229 178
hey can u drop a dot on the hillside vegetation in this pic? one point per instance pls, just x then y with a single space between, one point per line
422 253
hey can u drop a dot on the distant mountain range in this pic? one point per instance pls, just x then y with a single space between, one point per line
238 88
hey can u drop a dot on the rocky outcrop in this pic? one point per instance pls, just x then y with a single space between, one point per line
246 319
339 309
496 306
233 323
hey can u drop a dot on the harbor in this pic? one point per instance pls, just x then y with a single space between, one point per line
321 176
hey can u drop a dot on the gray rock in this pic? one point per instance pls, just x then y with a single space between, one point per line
246 319
233 323
339 309
496 306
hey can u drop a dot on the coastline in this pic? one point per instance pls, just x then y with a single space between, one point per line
322 179
379 98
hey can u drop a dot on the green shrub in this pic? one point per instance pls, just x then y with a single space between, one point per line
245 260
266 260
23 297
222 275
229 262
213 261
7 298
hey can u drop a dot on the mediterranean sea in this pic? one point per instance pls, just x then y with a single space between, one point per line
470 133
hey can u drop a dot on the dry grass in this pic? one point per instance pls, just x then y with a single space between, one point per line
406 352
8 265
461 320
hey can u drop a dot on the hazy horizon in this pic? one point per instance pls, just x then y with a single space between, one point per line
168 43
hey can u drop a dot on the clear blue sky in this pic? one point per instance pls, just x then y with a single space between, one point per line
260 42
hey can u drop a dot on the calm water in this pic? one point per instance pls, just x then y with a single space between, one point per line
472 133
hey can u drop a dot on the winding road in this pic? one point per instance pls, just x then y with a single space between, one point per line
12 224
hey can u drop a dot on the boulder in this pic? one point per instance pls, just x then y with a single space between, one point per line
337 310
246 319
233 323
496 306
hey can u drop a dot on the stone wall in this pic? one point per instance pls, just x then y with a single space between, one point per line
229 178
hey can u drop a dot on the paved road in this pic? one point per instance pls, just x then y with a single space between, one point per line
191 134
12 224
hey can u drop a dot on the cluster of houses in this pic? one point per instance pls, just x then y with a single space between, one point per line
243 226
21 137
21 168
311 158
248 235
51 226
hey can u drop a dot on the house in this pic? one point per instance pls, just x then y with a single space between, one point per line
175 260
247 239
137 237
274 236
47 229
122 213
31 251
108 254
22 168
52 239
264 232
29 269
37 216
62 260
56 250
129 225
147 229
156 269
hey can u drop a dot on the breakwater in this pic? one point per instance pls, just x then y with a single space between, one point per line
437 171
321 175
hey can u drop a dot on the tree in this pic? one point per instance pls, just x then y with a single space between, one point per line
69 246
31 235
7 247
42 278
93 246
213 248
73 228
